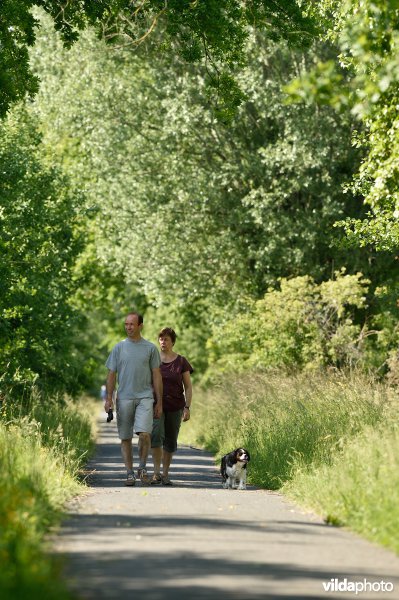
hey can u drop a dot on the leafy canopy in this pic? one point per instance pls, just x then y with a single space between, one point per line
365 78
235 207
212 31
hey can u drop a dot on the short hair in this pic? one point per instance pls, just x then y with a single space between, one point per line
168 331
138 315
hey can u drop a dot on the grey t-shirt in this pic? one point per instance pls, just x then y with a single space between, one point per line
134 361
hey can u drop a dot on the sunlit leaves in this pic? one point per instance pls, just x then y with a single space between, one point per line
192 213
365 78
298 324
209 31
38 246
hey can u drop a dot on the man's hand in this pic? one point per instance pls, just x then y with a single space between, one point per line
108 404
111 380
157 410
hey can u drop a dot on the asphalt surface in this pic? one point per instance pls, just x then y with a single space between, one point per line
196 540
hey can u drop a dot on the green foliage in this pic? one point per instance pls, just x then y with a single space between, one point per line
302 325
213 31
366 34
40 457
323 82
63 425
190 217
18 29
16 33
207 213
39 244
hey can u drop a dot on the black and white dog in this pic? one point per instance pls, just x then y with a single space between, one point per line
233 468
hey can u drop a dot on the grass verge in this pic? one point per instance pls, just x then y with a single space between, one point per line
41 452
328 441
359 488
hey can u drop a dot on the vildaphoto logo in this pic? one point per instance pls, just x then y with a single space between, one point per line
358 587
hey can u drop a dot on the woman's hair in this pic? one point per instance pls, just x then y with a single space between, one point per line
168 331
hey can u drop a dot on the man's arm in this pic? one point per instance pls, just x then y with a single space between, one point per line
111 381
158 389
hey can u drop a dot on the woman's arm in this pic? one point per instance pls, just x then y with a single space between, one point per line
188 392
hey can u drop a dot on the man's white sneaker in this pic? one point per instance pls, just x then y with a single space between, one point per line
130 479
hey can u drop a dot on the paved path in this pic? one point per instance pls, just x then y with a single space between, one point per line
197 540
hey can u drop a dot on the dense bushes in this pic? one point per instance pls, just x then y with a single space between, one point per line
300 324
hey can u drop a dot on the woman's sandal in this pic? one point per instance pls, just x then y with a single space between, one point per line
166 481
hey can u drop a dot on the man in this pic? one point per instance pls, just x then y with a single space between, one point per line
136 361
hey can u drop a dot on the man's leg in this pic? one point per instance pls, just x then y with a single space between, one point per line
143 423
125 418
144 448
127 453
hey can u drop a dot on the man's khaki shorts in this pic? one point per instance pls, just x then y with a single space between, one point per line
134 415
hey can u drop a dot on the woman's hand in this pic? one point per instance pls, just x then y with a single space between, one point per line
186 414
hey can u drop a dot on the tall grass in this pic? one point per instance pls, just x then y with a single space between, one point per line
302 429
41 452
360 488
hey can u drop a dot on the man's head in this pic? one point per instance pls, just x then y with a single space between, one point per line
133 325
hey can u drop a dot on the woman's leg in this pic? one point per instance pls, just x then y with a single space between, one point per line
172 427
156 459
157 438
166 460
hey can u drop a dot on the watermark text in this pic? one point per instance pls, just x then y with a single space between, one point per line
358 587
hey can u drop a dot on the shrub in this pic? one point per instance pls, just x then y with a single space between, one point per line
300 325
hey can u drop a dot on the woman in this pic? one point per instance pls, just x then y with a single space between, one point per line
177 395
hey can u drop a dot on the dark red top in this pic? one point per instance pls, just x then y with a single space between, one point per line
172 379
